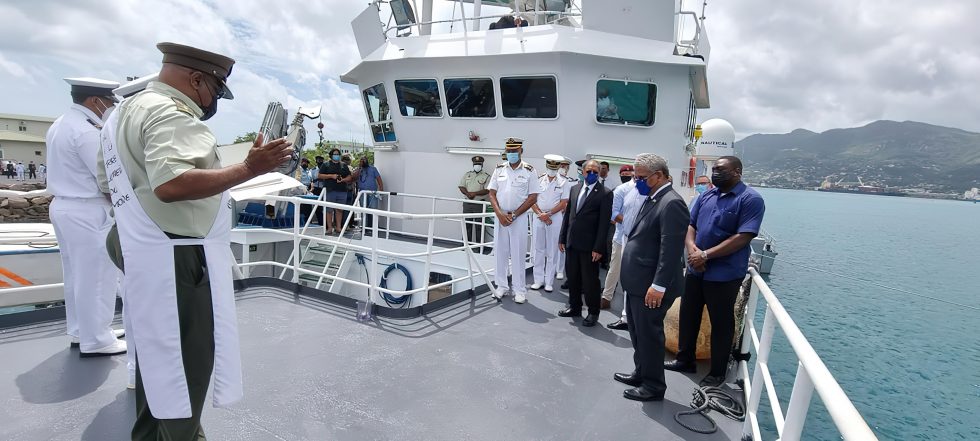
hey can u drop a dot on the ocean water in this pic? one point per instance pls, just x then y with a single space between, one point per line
910 364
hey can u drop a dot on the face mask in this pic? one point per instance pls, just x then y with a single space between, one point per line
552 173
701 188
563 171
477 167
211 109
591 178
319 162
364 164
625 179
305 166
642 187
336 158
513 158
106 111
720 178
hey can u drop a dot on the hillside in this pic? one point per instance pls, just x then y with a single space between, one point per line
888 153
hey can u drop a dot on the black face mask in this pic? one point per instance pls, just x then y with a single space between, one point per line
625 179
721 179
210 110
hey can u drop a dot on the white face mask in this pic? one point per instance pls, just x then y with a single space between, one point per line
552 173
563 171
477 167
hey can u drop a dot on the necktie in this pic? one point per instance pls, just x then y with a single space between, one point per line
581 198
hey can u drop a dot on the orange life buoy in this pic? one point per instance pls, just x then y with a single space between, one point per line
690 174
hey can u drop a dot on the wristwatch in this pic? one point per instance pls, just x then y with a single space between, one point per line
704 255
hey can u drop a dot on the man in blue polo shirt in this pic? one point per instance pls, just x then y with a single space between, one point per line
724 220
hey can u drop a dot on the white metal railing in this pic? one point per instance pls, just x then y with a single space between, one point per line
695 42
811 374
553 16
372 248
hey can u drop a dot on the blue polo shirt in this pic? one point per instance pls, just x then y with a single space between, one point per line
717 217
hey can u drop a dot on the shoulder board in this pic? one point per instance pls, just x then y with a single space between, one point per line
528 167
181 107
501 165
94 124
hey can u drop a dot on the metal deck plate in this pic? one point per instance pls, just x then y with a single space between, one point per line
474 371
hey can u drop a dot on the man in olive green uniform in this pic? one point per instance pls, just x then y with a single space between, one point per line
473 185
170 193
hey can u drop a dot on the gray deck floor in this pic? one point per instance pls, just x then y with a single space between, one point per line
475 371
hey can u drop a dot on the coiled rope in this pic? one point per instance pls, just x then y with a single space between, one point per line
710 398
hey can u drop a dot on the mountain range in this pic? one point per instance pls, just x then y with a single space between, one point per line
904 154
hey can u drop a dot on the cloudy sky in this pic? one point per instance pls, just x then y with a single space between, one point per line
775 66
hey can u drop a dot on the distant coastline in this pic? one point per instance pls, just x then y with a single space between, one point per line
941 196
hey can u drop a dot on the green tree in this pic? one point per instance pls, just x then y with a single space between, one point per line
248 137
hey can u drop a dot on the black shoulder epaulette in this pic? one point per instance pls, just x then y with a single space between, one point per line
94 124
528 167
501 165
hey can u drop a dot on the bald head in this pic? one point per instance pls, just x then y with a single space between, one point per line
195 84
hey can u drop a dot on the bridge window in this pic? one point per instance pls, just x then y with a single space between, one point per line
529 97
418 98
379 114
627 103
470 98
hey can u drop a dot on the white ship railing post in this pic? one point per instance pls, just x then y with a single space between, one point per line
296 239
428 251
469 256
761 361
799 404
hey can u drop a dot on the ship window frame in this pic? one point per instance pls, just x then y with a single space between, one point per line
494 94
439 93
518 118
656 97
381 123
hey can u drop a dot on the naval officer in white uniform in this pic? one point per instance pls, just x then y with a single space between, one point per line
563 172
513 190
80 216
548 212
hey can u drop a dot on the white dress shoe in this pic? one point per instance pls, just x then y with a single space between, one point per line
537 286
549 288
131 384
119 347
560 276
119 333
499 293
519 298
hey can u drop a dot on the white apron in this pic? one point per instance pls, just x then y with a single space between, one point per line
151 300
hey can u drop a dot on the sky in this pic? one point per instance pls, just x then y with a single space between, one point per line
774 66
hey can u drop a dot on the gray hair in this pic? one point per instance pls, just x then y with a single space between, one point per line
652 162
586 163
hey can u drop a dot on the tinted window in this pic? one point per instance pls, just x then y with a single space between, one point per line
383 132
418 97
619 102
529 97
470 98
376 101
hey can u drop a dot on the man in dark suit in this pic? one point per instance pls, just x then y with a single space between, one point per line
652 274
583 240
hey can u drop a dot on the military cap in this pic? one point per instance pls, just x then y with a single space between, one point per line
513 143
137 85
477 160
565 161
87 87
553 162
580 162
626 168
201 60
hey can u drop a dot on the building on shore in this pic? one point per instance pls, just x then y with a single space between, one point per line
22 138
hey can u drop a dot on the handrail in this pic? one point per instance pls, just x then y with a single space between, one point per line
466 19
812 374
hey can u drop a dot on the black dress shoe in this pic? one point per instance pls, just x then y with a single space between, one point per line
590 320
569 312
618 325
712 380
642 394
628 379
679 366
564 285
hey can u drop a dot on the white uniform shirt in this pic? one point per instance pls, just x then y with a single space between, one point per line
552 191
513 186
73 149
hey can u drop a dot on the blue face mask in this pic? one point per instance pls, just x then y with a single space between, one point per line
513 158
591 177
335 157
701 188
642 187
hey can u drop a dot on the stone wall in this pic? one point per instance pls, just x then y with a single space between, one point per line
32 206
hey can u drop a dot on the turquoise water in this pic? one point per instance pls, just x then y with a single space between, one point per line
911 365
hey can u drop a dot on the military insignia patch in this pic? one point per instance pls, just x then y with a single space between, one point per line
183 107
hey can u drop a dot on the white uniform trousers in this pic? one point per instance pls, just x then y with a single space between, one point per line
546 250
510 245
90 277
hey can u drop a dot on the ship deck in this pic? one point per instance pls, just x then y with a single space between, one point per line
476 370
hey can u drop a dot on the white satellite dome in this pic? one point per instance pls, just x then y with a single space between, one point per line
717 139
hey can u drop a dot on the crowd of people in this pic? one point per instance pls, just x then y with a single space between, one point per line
19 171
655 245
337 180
